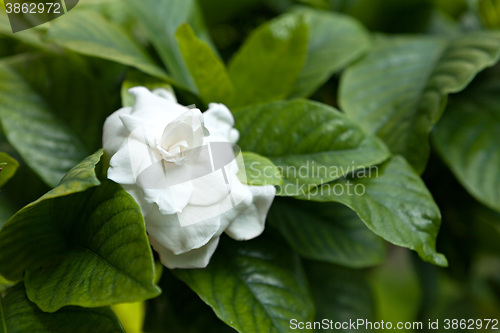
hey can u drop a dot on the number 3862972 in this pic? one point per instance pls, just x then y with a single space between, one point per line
33 8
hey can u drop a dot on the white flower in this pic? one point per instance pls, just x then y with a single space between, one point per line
178 165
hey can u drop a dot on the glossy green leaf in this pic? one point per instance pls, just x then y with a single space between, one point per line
268 64
255 286
135 79
8 167
80 91
80 245
467 140
393 201
340 295
311 143
80 178
19 315
89 33
398 91
44 142
258 170
208 71
327 232
160 20
335 40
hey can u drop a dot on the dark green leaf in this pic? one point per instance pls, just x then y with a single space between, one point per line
254 286
341 295
172 311
335 40
327 232
310 143
43 141
160 19
467 140
398 91
79 179
89 33
19 315
270 61
80 91
208 71
80 245
393 202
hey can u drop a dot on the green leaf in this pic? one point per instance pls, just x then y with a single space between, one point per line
131 316
89 33
6 210
208 71
489 11
5 284
175 307
398 91
311 143
268 64
258 170
393 202
86 86
135 79
79 179
8 167
80 245
467 139
160 20
19 315
340 294
264 279
328 232
43 141
335 40
32 37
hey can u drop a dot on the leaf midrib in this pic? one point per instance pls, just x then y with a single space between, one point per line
86 250
247 286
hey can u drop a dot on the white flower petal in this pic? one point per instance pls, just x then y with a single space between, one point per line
184 182
165 94
219 121
120 168
154 108
114 134
167 231
170 200
198 258
209 189
250 223
186 129
137 194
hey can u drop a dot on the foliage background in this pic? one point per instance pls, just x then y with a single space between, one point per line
403 71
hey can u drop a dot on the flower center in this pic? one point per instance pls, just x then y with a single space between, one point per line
175 153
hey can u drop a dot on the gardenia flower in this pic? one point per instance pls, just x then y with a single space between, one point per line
179 166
